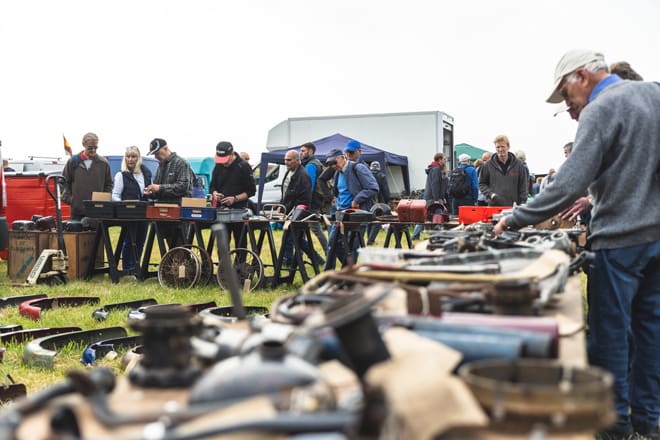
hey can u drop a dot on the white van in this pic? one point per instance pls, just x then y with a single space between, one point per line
272 185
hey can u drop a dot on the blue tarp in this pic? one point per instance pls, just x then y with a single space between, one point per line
325 145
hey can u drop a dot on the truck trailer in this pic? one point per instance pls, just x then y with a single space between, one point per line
417 135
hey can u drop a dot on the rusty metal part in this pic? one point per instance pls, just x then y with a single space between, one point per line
21 336
198 307
525 392
12 301
8 328
102 313
42 351
166 361
12 390
32 308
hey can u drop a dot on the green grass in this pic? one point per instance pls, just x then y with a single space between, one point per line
127 289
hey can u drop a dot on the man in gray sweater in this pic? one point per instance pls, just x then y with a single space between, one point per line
619 136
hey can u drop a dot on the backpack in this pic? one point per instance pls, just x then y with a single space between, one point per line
322 186
459 183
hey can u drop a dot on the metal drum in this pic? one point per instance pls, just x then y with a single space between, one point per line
524 393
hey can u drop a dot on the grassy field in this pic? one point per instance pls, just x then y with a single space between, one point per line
126 290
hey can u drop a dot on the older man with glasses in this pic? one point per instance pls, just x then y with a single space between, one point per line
84 173
619 137
354 187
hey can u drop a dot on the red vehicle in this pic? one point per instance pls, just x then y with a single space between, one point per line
24 193
4 230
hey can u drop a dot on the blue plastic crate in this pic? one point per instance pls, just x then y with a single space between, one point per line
190 213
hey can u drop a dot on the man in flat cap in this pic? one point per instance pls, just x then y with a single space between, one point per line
232 184
618 135
173 181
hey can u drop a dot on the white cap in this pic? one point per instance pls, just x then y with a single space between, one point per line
569 63
464 158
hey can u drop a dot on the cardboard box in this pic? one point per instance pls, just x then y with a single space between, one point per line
193 202
79 250
25 248
23 251
101 196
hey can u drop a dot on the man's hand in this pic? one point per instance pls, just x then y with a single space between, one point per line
153 188
578 207
500 226
355 205
228 200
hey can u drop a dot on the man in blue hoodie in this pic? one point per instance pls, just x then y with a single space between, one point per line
618 136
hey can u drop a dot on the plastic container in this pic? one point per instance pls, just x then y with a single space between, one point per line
98 209
473 214
191 213
131 209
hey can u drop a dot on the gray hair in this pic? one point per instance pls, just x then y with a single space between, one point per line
593 67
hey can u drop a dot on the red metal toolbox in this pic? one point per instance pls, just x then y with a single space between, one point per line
163 211
411 210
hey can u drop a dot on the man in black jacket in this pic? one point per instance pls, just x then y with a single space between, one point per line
173 181
232 184
297 193
504 180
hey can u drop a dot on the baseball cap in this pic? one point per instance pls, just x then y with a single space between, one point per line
352 146
464 158
333 155
223 152
156 145
569 63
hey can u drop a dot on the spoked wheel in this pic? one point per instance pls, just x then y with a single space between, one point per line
179 268
248 267
206 264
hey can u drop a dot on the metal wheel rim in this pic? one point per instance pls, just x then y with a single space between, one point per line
175 261
206 264
252 269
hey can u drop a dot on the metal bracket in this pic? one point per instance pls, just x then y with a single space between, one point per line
32 308
42 351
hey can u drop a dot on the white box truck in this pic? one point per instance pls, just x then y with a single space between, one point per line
417 135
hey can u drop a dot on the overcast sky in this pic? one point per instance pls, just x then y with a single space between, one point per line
196 72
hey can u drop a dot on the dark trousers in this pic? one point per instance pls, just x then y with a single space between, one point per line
140 231
624 297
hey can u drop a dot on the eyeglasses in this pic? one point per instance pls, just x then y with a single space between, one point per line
91 147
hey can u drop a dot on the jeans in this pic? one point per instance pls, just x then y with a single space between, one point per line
624 296
340 249
305 245
140 231
419 227
373 232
